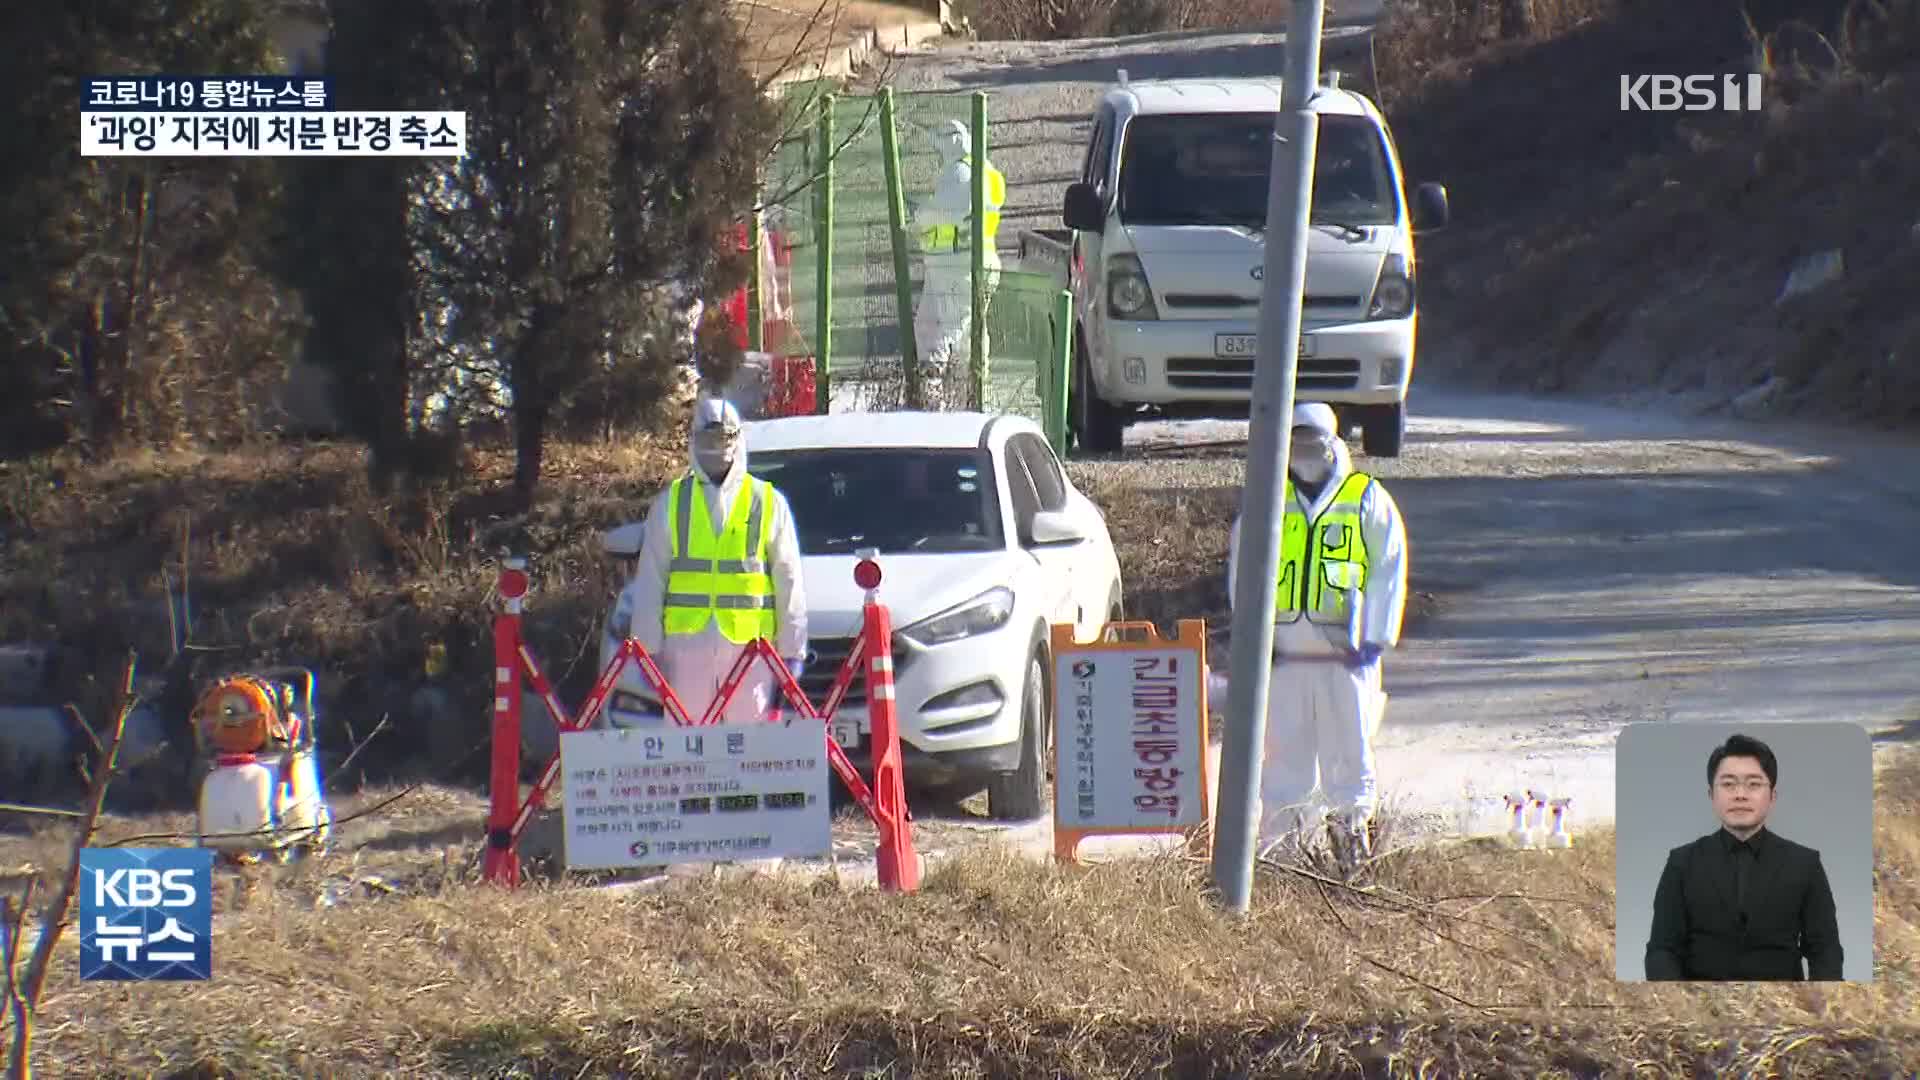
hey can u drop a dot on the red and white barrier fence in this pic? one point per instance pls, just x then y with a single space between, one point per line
871 657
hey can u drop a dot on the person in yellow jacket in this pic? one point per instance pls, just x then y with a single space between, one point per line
719 566
942 321
1342 592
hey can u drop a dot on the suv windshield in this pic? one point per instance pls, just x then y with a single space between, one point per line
902 501
1212 169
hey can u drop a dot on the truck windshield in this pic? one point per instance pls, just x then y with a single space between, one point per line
1212 169
904 500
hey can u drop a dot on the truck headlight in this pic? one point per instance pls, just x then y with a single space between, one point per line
1393 293
981 615
1128 296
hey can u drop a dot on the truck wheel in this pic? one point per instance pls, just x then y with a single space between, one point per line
1021 795
1099 428
1384 429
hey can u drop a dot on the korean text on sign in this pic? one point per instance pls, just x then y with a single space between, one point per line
1156 732
206 93
146 914
1131 750
273 134
634 797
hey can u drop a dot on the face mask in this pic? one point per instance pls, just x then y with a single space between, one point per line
714 463
1310 458
714 454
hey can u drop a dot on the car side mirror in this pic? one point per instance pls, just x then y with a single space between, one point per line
623 541
622 544
1083 210
1055 527
1430 210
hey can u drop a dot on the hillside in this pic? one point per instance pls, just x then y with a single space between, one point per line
1603 250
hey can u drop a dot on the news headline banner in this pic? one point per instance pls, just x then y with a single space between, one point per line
279 134
205 93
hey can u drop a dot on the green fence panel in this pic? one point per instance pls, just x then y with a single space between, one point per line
865 339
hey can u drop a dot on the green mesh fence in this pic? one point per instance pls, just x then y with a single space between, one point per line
867 329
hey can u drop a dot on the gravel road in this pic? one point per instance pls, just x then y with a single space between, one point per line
1593 565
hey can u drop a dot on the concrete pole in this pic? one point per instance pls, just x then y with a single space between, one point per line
1289 199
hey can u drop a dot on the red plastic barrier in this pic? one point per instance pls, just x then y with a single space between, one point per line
885 803
792 390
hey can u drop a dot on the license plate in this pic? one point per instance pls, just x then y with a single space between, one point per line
1239 345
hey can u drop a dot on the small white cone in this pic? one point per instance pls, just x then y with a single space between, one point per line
1536 818
1517 834
1560 837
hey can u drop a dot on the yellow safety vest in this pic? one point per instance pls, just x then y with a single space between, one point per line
724 578
1315 577
941 239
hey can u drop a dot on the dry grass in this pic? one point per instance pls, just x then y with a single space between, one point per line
283 555
1602 249
1455 961
1052 20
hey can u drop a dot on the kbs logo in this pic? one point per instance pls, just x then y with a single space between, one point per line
146 914
1690 93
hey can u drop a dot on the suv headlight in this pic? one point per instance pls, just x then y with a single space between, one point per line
1128 296
981 615
1393 293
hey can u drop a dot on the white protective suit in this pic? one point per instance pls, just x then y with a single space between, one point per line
942 322
1320 715
696 664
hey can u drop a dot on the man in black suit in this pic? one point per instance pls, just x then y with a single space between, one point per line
1742 903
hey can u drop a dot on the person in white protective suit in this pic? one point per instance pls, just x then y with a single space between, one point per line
719 566
1341 593
942 322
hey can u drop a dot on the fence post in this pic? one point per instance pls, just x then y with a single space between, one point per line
902 266
1060 372
978 223
755 333
823 273
502 863
895 862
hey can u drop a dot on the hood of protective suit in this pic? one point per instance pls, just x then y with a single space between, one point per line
719 417
1320 418
952 141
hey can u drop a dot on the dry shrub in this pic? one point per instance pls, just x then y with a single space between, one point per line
1596 249
1055 20
1457 960
285 555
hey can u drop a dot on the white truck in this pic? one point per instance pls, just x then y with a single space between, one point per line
1163 251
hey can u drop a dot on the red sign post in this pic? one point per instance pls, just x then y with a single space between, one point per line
885 803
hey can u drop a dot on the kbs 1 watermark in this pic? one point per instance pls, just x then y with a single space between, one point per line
1690 93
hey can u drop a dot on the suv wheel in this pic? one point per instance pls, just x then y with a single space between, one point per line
1021 795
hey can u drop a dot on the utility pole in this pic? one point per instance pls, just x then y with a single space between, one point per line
1289 199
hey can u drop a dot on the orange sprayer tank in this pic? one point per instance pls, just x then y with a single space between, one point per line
240 715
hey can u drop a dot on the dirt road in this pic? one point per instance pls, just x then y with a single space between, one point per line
1598 565
1592 566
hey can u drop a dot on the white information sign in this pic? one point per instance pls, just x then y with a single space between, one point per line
654 796
1130 741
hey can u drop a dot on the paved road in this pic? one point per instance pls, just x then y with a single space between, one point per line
1594 566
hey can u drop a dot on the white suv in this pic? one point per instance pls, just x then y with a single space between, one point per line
984 542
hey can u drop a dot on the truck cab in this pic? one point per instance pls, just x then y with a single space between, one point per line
1164 247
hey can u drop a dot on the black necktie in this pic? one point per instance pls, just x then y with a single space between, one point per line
1742 859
